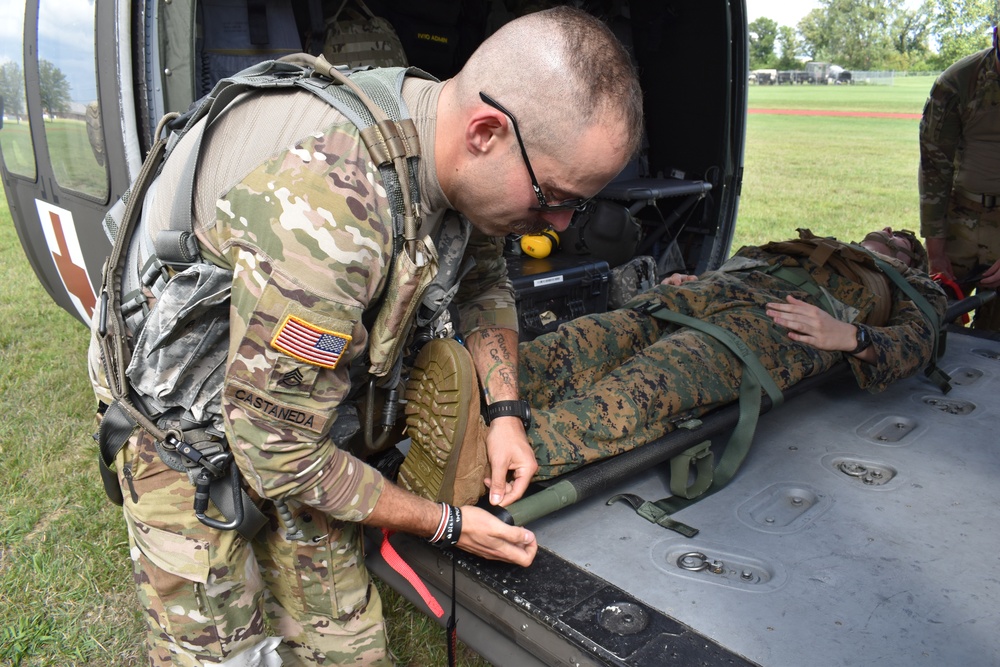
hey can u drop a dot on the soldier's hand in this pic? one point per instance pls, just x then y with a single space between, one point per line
487 536
937 258
512 460
991 277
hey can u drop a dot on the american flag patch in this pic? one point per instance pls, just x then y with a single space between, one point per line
309 343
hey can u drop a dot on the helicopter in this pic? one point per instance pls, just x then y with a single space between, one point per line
85 82
842 541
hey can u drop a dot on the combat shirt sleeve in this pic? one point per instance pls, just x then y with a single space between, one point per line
940 134
485 298
904 346
307 241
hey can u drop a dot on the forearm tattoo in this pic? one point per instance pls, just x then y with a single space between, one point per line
502 374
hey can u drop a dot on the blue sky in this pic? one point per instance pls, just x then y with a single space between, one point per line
70 46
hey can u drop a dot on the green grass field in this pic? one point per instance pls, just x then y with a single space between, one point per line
76 164
66 595
906 95
839 176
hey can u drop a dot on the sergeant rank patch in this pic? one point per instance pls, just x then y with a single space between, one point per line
310 343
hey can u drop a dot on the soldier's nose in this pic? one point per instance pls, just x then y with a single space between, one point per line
559 221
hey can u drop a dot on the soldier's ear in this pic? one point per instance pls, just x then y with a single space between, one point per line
485 130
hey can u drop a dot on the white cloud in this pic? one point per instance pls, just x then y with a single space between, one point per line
66 38
11 25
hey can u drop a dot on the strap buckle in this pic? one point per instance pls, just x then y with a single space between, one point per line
213 464
702 461
653 513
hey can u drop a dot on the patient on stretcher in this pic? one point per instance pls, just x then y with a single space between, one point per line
606 383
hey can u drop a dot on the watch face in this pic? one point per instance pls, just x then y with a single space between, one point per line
863 340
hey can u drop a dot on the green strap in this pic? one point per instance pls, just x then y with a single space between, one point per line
936 374
805 282
735 344
700 458
653 513
755 376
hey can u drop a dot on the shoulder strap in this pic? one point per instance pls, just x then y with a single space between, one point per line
845 260
852 261
370 99
933 371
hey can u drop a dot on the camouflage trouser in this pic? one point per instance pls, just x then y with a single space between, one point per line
974 240
607 383
211 597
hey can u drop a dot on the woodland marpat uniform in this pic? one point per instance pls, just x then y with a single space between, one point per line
607 383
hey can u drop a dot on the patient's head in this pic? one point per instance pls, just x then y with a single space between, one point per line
902 245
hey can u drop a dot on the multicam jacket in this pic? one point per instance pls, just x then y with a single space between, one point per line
959 138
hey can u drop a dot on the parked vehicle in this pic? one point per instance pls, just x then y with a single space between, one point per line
764 77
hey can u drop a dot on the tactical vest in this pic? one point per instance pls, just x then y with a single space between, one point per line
862 266
848 261
175 285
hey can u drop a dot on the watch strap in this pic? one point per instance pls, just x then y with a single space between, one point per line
518 408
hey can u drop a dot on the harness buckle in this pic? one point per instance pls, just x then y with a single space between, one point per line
213 463
653 513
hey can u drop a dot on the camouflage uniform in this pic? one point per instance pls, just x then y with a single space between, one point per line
959 163
606 383
305 232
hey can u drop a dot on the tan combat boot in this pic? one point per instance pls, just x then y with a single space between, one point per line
447 458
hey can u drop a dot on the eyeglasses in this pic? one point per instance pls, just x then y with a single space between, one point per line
576 204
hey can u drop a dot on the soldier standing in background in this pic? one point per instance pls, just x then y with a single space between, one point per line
959 176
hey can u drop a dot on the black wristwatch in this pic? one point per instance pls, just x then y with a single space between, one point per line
863 337
519 409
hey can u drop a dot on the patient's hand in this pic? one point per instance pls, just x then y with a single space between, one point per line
678 279
812 325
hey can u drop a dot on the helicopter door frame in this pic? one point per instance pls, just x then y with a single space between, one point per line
61 229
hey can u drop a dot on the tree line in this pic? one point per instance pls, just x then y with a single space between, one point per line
876 35
53 86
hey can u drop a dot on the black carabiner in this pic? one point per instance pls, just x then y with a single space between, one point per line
223 462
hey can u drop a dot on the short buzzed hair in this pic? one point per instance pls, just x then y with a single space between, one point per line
557 70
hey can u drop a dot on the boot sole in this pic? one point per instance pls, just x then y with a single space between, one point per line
441 407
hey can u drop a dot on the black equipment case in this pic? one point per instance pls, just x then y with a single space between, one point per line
557 289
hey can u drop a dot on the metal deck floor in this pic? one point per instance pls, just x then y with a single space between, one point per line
861 529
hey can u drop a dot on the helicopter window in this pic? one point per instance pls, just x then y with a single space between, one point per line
15 129
67 73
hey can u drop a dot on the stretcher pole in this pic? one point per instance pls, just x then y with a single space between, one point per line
601 476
